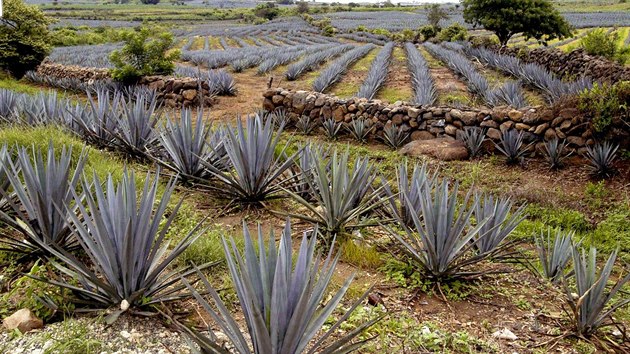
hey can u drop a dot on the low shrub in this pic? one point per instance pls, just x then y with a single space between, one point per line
605 103
601 42
452 33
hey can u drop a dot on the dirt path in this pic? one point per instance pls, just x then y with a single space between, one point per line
397 86
451 90
354 77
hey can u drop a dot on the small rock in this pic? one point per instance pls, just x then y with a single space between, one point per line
24 320
425 330
125 334
505 334
189 95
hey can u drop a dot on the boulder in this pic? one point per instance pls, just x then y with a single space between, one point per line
189 95
24 320
444 149
421 135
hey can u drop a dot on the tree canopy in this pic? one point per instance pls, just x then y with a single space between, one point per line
24 37
436 14
534 18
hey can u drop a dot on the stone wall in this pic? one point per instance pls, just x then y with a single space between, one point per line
537 123
172 92
572 64
47 68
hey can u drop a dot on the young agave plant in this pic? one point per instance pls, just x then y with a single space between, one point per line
394 136
280 118
5 183
601 158
554 253
123 234
511 146
344 196
442 234
591 308
283 305
360 129
186 145
555 153
499 223
9 103
305 125
331 128
99 124
302 169
473 138
40 199
256 168
410 189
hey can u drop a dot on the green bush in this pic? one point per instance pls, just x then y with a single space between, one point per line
428 32
600 42
268 11
24 37
454 32
144 53
69 36
604 103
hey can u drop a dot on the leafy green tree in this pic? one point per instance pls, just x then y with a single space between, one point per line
150 2
145 53
268 10
436 14
534 18
24 37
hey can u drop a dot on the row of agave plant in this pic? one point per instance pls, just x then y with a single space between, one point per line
512 145
444 236
600 156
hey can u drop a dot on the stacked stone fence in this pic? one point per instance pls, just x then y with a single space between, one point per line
538 123
172 92
574 64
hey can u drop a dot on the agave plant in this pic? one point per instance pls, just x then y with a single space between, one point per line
256 169
554 253
305 125
499 223
302 169
511 145
344 196
41 204
360 129
594 305
331 128
394 136
601 158
97 127
137 133
280 118
441 239
5 183
283 306
473 138
123 234
555 153
187 145
410 190
9 102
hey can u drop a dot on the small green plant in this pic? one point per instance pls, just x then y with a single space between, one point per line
452 33
601 42
44 300
605 103
595 194
428 32
146 52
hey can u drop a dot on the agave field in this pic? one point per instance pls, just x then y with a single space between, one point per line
127 226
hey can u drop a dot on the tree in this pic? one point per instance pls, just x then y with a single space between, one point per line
145 53
268 10
435 15
302 7
534 18
24 37
150 2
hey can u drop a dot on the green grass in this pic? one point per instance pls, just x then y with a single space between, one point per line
347 89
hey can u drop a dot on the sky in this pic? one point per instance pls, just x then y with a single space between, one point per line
394 1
